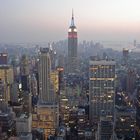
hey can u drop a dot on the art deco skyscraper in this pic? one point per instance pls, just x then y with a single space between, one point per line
72 47
47 107
44 70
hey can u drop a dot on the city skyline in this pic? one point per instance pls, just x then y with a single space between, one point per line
66 77
37 21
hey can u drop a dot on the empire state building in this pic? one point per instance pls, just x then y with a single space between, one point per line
72 47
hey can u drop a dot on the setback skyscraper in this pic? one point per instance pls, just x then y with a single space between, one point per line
44 76
46 115
72 47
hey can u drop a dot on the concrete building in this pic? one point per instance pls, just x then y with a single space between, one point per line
101 88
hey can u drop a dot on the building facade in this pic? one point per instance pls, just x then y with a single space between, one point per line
6 76
46 118
101 88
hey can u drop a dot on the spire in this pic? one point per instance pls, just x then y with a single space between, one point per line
72 19
72 14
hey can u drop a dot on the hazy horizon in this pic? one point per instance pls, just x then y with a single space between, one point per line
48 20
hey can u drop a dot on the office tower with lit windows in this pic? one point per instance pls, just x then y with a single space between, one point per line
101 88
46 114
6 76
72 47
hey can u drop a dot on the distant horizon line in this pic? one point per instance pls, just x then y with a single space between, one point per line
81 41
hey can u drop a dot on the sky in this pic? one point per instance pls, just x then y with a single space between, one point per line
48 20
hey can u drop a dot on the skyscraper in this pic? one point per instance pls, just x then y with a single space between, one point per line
46 115
45 94
24 70
72 47
102 88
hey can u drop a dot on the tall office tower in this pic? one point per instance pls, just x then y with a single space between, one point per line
101 88
24 69
44 71
72 47
46 115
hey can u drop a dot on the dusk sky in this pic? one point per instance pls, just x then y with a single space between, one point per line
48 20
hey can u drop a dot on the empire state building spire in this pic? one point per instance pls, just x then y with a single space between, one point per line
72 19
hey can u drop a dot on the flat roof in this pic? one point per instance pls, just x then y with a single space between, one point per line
102 62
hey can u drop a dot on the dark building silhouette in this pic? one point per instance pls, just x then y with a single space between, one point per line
3 58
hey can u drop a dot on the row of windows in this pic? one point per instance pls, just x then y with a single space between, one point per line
101 83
